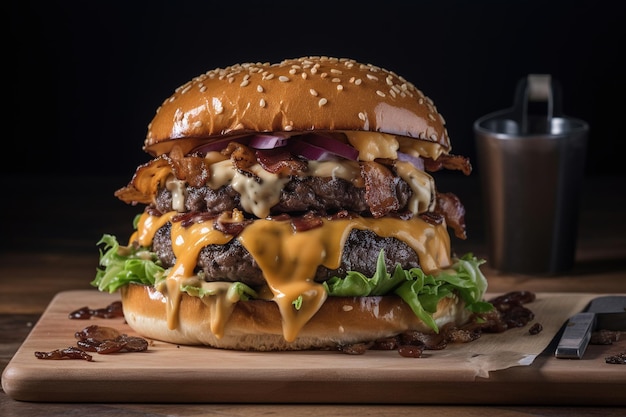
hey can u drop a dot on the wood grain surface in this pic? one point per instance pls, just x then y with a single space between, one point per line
174 373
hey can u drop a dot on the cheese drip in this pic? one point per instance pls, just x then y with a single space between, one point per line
289 259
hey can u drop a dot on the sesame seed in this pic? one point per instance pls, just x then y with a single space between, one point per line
244 83
336 71
288 128
187 88
259 88
304 76
322 102
380 93
262 102
372 77
203 89
292 71
217 105
362 116
268 76
324 75
339 87
358 81
313 92
336 80
392 93
431 117
283 79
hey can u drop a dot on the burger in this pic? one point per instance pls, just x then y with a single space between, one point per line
291 206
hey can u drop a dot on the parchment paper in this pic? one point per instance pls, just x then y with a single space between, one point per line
517 347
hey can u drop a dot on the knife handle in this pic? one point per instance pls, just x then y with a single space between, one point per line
576 336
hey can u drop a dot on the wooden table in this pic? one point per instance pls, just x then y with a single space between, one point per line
51 248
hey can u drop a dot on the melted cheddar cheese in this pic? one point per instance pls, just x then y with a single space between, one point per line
288 259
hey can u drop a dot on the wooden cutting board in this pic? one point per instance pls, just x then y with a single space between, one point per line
173 373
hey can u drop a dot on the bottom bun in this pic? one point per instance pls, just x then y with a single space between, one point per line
257 324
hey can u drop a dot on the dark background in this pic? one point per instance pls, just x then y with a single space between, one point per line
86 77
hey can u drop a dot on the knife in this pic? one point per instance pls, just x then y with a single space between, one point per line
603 313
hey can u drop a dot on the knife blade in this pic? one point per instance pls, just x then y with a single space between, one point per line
603 313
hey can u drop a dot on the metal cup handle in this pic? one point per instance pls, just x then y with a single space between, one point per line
536 88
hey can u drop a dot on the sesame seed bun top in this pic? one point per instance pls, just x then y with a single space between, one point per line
295 95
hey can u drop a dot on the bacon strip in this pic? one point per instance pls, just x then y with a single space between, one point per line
452 209
242 156
151 176
453 162
379 192
280 161
145 183
192 169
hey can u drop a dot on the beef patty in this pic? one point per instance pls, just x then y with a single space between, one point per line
300 194
232 262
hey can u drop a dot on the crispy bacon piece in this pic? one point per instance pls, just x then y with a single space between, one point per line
454 162
85 313
241 156
432 218
306 222
97 332
379 189
192 169
189 218
452 209
146 182
68 353
106 340
231 223
343 214
280 161
151 176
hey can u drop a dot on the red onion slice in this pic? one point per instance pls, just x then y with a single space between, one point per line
415 161
322 148
216 145
333 146
310 151
267 141
310 146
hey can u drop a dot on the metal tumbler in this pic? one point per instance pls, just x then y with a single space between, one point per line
531 162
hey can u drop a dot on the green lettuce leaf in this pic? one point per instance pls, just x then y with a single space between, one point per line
122 265
420 291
